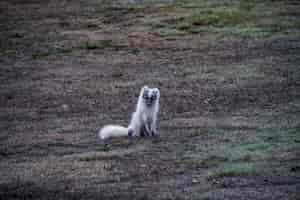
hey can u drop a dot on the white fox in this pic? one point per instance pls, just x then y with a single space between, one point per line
144 119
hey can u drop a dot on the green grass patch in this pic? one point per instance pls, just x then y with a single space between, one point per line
167 32
249 31
252 151
234 170
246 5
51 51
216 131
212 161
100 44
288 140
136 9
240 19
220 17
154 23
112 11
183 27
104 148
259 145
8 51
293 135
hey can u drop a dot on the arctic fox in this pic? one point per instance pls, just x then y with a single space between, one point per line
144 119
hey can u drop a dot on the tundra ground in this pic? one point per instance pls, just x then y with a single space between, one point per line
229 76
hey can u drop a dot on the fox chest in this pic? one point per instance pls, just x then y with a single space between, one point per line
148 117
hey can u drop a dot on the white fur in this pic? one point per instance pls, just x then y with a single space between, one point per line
144 119
112 131
145 116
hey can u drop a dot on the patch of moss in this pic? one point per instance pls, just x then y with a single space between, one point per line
212 161
165 32
100 44
51 51
136 9
8 51
183 27
104 148
234 170
262 146
219 17
216 131
242 19
247 32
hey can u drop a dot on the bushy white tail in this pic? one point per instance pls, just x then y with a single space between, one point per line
112 131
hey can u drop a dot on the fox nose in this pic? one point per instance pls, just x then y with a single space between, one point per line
149 103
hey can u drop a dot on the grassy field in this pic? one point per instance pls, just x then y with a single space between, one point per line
229 76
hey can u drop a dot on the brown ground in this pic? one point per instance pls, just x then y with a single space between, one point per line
216 96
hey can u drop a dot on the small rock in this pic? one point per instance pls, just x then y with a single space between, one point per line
195 180
143 165
65 107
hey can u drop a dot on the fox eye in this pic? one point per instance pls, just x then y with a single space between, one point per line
145 94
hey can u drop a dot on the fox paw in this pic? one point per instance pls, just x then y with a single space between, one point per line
130 132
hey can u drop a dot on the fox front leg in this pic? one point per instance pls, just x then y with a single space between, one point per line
152 127
146 128
154 130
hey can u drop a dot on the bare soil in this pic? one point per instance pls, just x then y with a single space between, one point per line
217 96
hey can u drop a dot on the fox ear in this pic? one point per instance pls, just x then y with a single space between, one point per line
145 88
